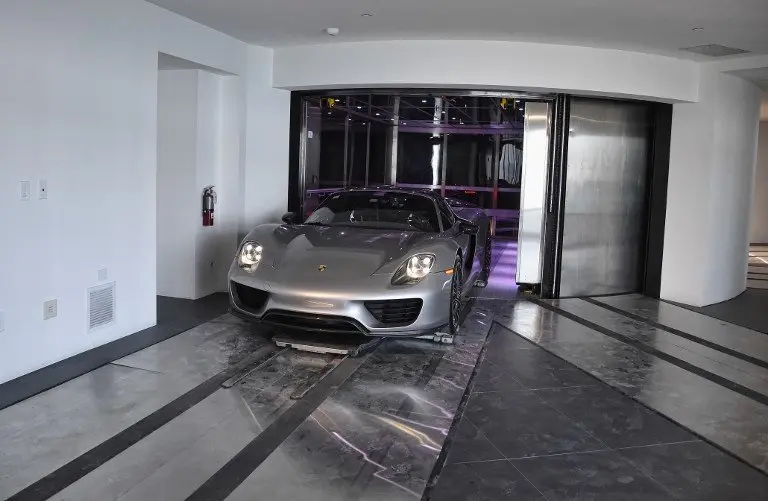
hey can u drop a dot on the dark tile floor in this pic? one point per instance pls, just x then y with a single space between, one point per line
746 310
536 427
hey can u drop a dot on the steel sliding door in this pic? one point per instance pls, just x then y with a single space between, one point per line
604 224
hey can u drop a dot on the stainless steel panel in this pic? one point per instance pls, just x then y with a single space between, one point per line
530 237
605 200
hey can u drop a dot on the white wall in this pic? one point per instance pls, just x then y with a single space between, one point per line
177 205
759 219
78 102
711 171
486 65
265 186
208 270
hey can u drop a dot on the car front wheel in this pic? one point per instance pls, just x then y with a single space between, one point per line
456 286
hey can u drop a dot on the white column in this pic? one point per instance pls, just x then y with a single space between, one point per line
711 171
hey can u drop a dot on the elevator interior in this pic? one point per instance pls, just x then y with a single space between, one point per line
566 180
468 147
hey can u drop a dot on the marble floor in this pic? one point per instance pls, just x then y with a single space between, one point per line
219 412
611 399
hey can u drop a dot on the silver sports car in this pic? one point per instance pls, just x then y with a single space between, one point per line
387 262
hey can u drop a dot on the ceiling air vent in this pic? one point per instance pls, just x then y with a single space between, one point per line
101 305
714 50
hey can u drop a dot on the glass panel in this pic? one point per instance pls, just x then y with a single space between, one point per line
474 142
419 159
469 169
377 159
332 148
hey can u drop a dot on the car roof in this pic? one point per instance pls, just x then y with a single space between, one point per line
426 192
393 189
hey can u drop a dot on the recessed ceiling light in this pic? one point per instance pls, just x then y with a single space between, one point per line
697 29
378 114
332 31
359 107
366 14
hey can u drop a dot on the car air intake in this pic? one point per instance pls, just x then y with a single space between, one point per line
395 312
317 323
248 297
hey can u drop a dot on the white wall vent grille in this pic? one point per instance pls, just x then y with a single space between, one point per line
101 305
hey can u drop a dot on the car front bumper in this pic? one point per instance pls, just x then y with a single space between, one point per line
329 306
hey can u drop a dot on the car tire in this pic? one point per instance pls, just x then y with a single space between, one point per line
454 318
487 255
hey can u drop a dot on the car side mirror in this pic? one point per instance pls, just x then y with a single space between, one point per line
469 228
289 218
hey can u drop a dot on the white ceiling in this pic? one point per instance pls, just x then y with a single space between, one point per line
653 26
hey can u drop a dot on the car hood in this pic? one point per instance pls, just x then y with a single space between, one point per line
341 252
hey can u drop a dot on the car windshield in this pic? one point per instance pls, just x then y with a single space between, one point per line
377 209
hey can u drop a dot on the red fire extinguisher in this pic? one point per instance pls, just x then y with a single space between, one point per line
209 200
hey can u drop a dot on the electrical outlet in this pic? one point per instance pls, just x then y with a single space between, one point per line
102 274
42 189
2 320
50 309
24 191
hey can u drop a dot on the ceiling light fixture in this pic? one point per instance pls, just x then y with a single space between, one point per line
366 14
332 31
697 29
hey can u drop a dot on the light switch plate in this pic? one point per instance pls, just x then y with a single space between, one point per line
50 309
24 191
42 190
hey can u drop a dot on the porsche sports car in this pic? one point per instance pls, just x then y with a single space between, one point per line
381 262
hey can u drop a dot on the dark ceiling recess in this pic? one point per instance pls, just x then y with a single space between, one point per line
714 50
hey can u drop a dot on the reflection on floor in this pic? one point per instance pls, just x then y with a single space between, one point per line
757 273
621 398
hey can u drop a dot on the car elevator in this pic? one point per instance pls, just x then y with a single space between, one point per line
575 186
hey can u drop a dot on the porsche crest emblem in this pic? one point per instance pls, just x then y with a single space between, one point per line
322 267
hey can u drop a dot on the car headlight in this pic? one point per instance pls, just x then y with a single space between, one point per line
249 256
414 269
